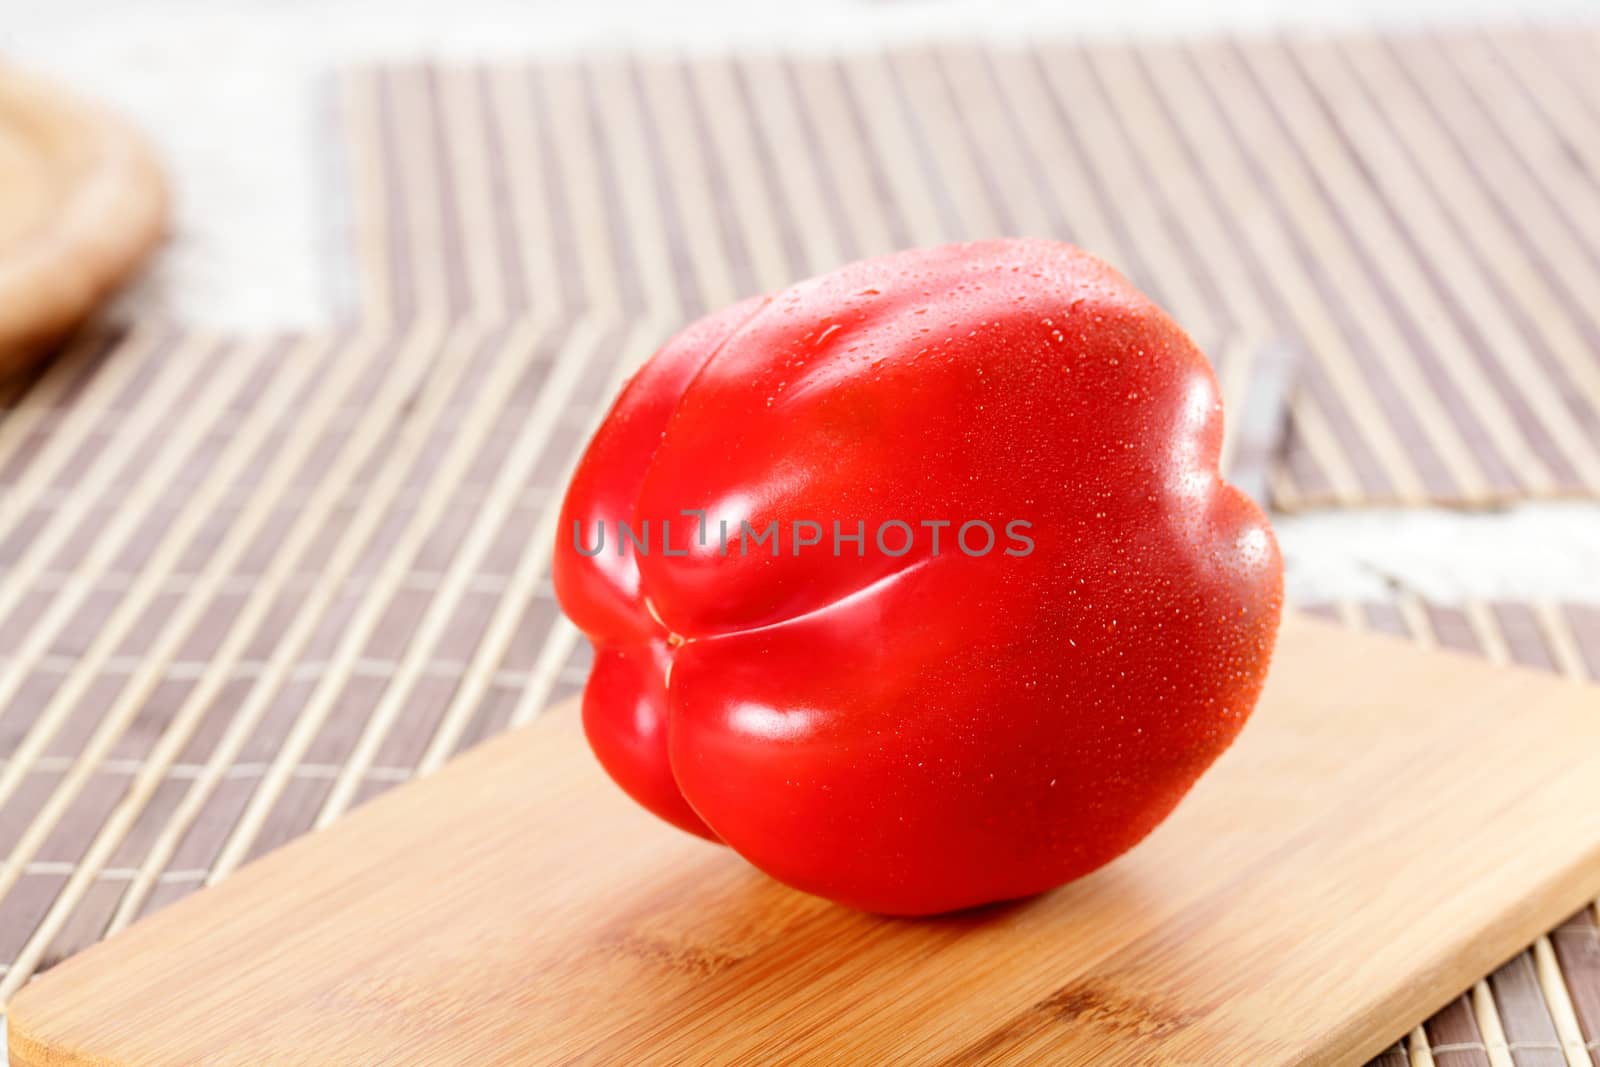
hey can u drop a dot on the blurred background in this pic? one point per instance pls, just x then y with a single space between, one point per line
241 103
356 279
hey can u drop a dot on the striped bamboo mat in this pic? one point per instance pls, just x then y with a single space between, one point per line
246 583
249 584
1418 218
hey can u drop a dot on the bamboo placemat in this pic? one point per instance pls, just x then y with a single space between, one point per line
248 584
1420 216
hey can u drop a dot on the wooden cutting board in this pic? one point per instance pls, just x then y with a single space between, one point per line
81 204
517 909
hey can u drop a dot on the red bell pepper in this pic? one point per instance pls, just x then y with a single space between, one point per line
916 583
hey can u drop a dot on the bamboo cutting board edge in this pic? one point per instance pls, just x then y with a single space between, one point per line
72 1015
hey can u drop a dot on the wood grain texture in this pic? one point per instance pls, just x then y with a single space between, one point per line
83 204
516 908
